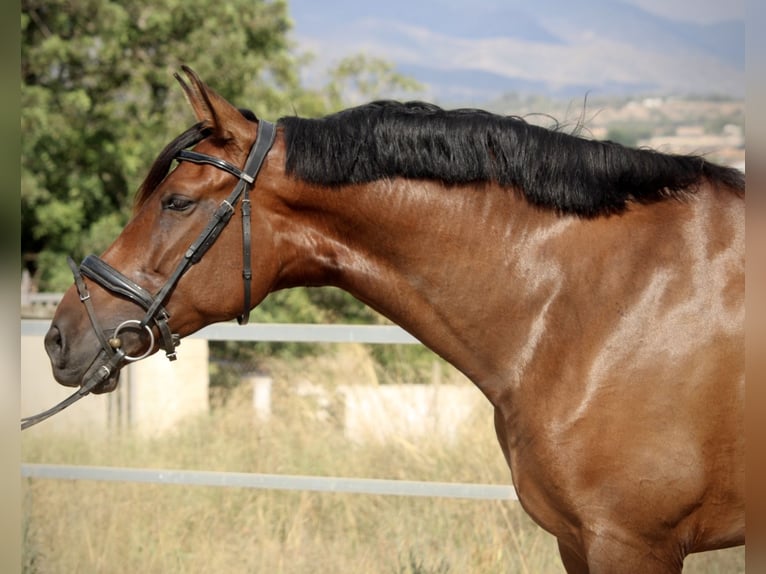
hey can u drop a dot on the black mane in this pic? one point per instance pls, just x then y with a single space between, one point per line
552 169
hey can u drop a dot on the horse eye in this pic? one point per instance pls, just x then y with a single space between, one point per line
177 203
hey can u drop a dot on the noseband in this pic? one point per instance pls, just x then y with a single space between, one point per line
112 280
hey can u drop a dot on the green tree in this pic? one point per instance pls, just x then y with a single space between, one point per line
361 78
628 134
98 103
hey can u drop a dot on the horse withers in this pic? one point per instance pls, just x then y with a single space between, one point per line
594 294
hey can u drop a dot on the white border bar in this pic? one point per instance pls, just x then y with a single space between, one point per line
273 481
292 332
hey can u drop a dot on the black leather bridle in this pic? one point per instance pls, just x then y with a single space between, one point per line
109 278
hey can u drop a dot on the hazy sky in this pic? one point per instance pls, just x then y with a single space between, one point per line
551 43
699 11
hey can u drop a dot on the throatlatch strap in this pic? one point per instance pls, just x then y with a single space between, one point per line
247 272
266 134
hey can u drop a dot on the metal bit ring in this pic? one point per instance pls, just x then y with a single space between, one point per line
131 358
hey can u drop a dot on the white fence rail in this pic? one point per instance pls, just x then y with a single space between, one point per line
273 481
374 334
282 332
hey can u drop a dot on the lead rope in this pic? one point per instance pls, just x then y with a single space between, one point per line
111 346
101 375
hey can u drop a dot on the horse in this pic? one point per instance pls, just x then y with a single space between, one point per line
594 293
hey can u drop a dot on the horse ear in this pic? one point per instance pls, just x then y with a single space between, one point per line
226 121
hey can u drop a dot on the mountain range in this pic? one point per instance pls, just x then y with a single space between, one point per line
479 50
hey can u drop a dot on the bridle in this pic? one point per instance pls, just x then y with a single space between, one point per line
156 315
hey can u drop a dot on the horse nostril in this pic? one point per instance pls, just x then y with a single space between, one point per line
54 344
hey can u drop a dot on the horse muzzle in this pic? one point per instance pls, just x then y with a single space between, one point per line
70 370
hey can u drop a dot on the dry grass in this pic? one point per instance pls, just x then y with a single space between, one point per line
115 528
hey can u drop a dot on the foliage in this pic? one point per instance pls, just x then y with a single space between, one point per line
99 102
628 134
414 565
392 363
360 78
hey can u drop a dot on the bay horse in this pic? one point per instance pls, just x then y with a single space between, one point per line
593 293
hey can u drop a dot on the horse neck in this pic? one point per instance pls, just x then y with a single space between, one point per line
437 261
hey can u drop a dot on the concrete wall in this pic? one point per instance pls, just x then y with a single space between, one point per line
153 394
377 413
409 411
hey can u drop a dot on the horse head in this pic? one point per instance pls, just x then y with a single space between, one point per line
179 263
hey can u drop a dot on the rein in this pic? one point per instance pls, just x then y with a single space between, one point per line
109 278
